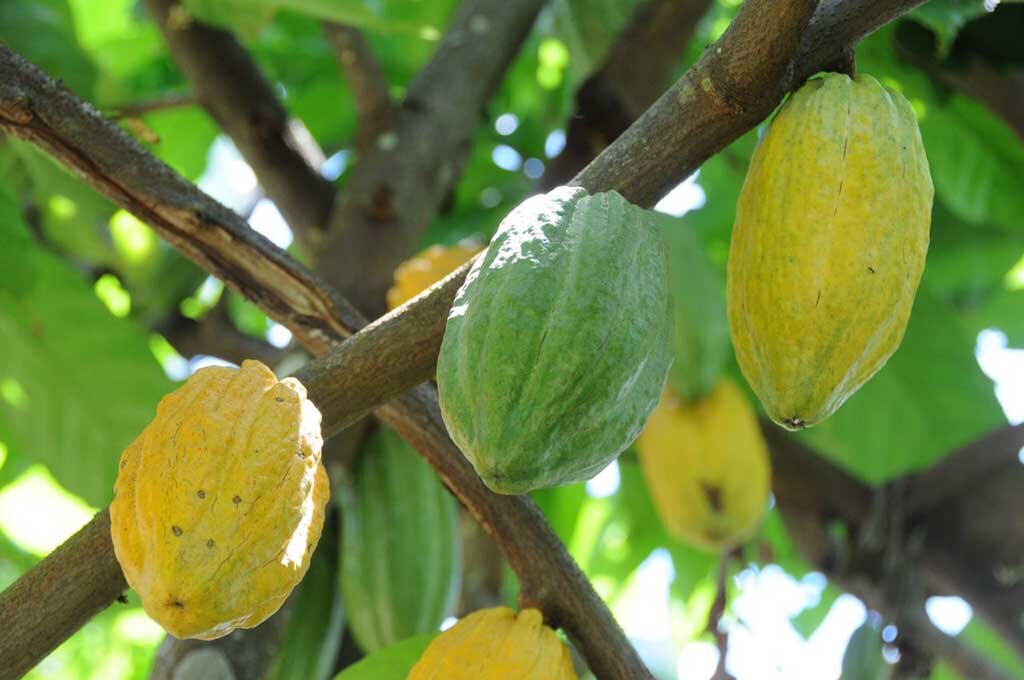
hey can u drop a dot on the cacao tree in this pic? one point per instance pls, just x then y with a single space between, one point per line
313 186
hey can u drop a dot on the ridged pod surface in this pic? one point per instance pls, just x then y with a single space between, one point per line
400 550
828 246
706 466
495 644
557 345
219 503
700 329
418 273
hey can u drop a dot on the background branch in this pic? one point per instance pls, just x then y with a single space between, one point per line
393 195
374 108
637 69
26 101
224 79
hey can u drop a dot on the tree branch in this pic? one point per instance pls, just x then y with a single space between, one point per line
35 108
374 107
214 334
140 108
637 69
736 83
811 493
50 602
393 195
282 153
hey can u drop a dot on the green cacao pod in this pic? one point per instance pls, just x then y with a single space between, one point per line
863 658
828 246
557 345
700 329
400 550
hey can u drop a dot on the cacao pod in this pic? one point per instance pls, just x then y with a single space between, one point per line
219 503
557 345
706 466
416 274
828 246
700 329
495 644
400 550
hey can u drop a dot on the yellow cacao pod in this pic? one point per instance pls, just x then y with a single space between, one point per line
706 466
418 273
219 503
828 246
495 644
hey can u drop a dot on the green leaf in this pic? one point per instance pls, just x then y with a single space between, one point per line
43 32
114 36
947 17
863 658
590 28
78 384
975 161
185 136
990 645
314 630
391 663
72 216
930 398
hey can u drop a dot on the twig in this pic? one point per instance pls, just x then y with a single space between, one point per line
397 191
736 84
637 69
282 153
374 107
134 109
35 108
715 619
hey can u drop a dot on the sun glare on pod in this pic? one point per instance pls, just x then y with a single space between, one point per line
219 503
557 345
828 247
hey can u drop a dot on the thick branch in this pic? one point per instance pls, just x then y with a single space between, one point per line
215 335
393 195
282 153
35 108
46 606
637 69
737 82
811 493
366 80
550 578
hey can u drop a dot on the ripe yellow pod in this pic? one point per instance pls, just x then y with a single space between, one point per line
495 644
828 246
219 503
706 466
418 273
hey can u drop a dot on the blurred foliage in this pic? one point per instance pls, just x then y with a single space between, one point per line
77 382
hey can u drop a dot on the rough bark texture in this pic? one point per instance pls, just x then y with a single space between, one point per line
391 196
280 150
33 107
47 605
637 69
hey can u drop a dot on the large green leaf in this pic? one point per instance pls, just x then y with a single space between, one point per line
391 663
928 399
78 384
43 32
985 641
947 17
976 162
